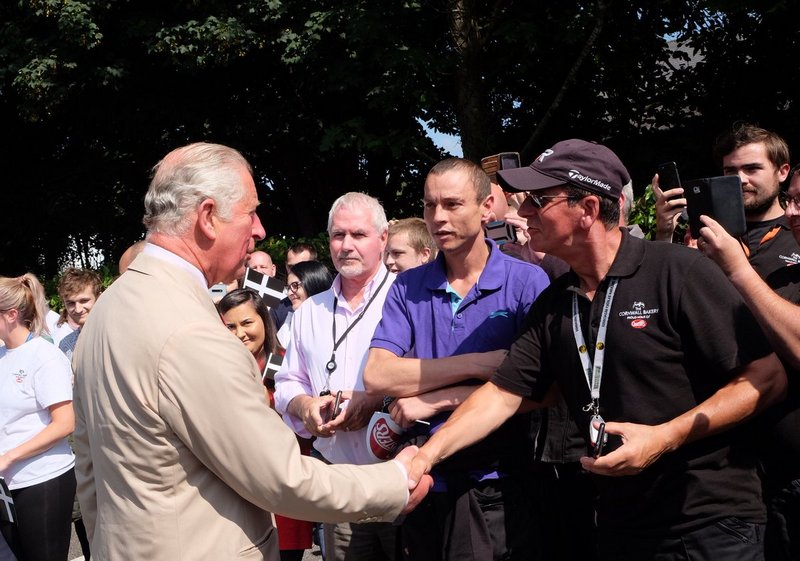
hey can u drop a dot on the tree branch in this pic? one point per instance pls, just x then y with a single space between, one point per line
602 5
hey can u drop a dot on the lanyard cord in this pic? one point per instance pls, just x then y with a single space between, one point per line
593 372
331 366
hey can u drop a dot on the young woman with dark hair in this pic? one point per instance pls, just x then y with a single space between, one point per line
307 279
247 316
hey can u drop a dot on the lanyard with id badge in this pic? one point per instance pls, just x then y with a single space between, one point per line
594 371
331 366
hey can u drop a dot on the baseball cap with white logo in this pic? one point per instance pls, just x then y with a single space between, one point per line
587 165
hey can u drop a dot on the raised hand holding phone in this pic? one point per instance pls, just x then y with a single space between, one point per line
670 203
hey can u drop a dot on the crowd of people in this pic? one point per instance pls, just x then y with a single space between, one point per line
562 390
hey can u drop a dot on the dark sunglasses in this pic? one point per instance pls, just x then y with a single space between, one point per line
539 201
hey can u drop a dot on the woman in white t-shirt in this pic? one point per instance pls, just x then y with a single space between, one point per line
35 418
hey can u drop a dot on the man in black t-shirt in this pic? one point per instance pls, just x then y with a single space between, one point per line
674 358
761 159
776 431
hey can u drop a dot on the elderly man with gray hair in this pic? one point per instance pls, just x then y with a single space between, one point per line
330 339
178 455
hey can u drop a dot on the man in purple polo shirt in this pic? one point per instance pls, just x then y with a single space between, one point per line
446 326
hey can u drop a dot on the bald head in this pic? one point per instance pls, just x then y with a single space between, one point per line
129 255
261 261
499 207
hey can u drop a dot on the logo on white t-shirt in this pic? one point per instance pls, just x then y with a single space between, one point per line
20 376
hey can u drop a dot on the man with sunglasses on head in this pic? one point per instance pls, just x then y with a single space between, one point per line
446 326
649 344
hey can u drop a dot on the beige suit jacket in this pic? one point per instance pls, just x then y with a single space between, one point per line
178 456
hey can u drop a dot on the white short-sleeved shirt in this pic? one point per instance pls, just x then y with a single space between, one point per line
33 377
57 332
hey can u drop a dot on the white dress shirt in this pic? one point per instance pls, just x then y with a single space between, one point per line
177 260
303 370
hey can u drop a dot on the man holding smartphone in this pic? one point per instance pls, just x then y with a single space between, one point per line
761 159
637 344
319 388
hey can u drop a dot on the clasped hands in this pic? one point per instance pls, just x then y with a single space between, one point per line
417 466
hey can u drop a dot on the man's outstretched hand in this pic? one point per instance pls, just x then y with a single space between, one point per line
419 482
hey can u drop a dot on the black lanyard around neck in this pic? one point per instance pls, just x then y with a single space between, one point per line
331 366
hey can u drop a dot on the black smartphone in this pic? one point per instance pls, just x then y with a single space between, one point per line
501 232
668 177
717 197
600 443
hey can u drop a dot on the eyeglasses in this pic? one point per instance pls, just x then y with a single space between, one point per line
295 286
539 201
792 201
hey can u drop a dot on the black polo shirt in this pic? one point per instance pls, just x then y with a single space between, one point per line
777 432
677 328
773 254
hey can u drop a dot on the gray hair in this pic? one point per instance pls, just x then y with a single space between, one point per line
361 200
186 177
627 190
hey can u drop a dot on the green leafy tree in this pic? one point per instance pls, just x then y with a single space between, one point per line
326 97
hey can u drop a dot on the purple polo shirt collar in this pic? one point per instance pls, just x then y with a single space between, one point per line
492 277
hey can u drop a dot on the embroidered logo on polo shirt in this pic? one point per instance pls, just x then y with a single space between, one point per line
638 314
498 314
792 259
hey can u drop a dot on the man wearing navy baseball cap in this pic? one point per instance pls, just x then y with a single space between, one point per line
576 162
657 368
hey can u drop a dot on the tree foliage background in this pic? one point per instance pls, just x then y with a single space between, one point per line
325 97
